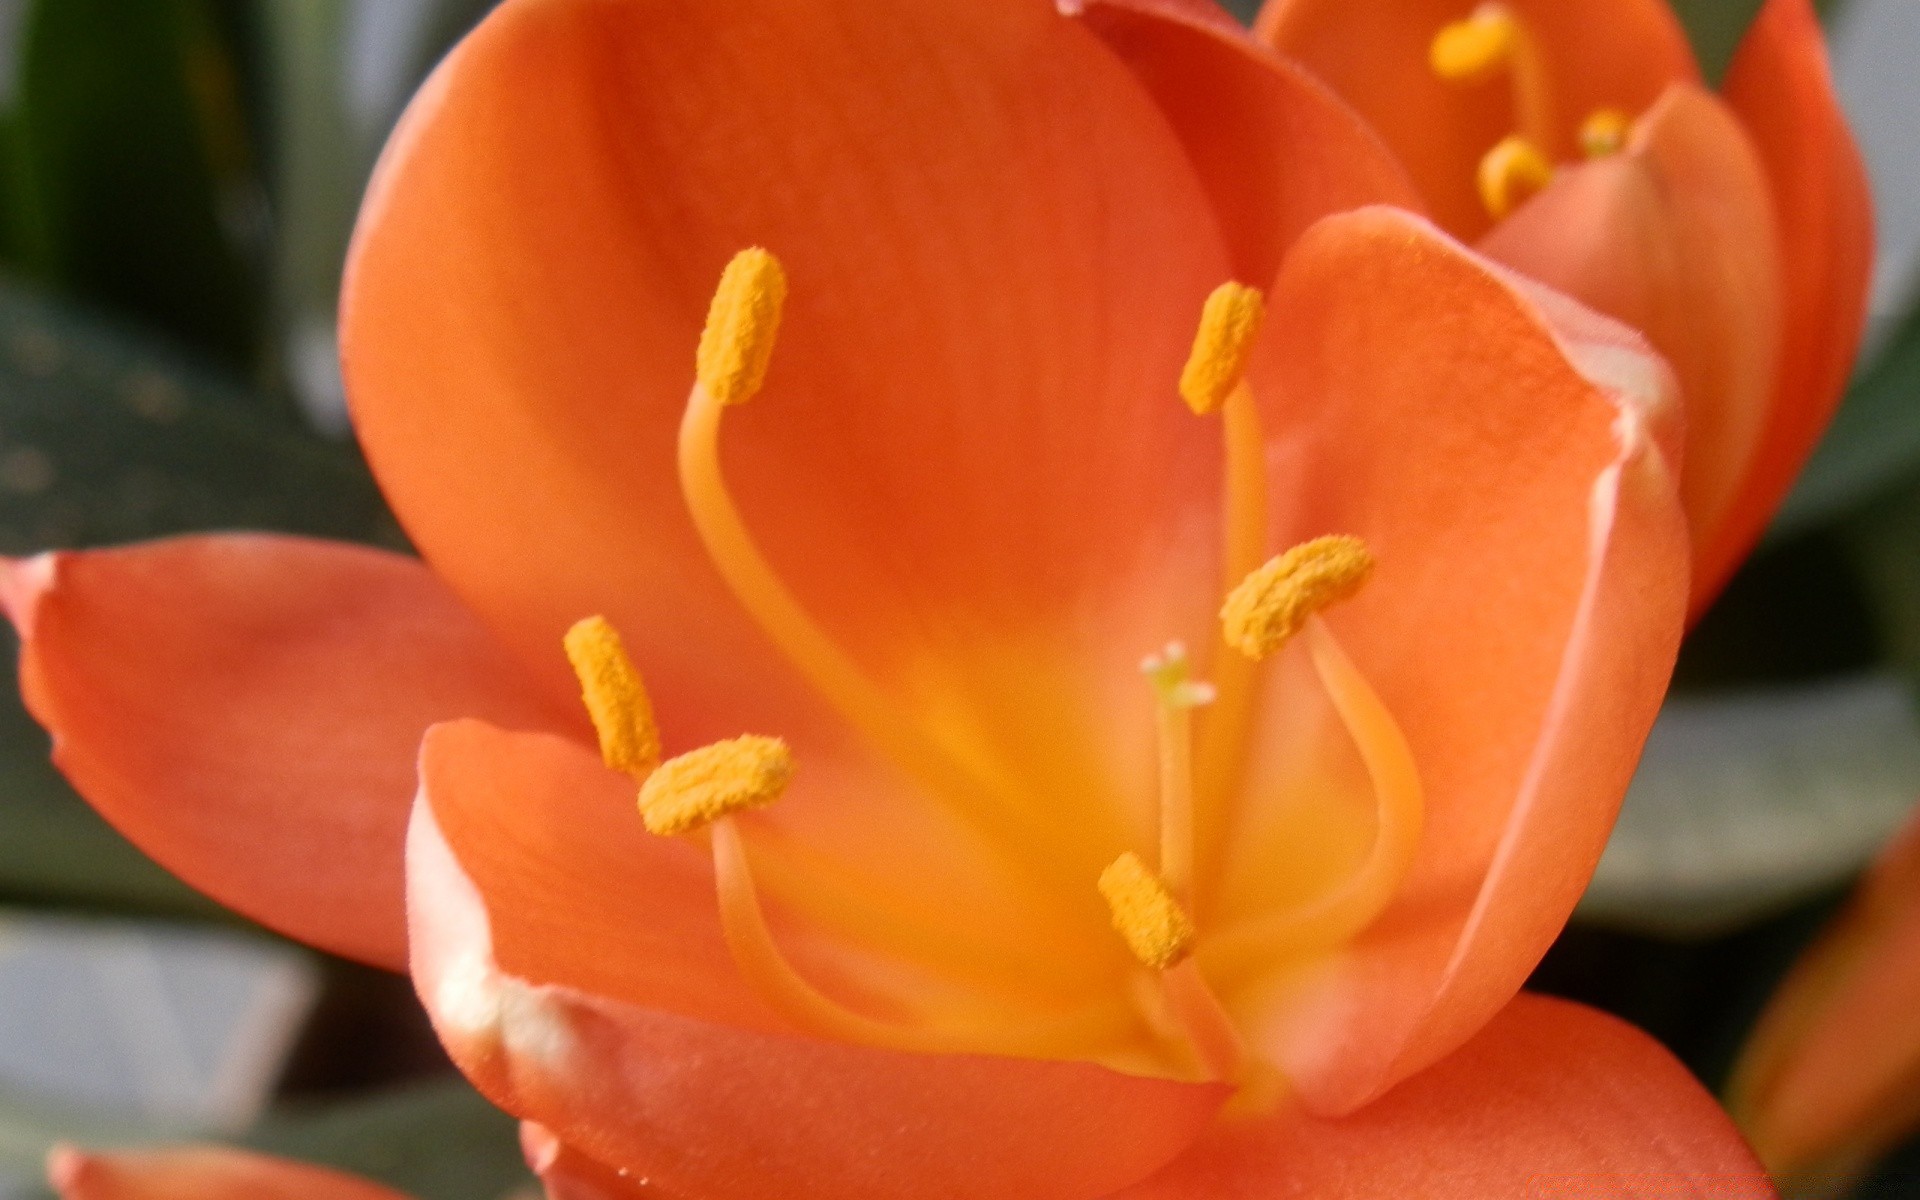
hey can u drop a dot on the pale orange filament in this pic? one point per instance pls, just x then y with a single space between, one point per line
1195 1008
1493 39
826 666
1340 914
773 976
1229 722
770 974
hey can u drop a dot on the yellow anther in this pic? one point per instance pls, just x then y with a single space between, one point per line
1145 914
701 786
1511 173
737 343
615 697
1229 326
1605 132
1474 49
1272 604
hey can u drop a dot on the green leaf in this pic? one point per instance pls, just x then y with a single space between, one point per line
1747 802
106 436
435 1141
1716 27
439 1141
338 76
131 177
1873 444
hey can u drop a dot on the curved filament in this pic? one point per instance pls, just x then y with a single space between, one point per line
820 659
767 969
1243 949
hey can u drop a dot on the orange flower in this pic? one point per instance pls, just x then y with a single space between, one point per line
1830 1077
1574 140
931 890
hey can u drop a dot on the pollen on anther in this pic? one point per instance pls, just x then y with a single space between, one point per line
742 322
1229 326
701 786
1511 173
1605 132
616 699
1145 914
1272 603
1471 50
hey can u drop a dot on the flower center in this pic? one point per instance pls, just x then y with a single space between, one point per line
1157 901
1492 43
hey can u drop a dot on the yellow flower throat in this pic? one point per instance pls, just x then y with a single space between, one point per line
1149 891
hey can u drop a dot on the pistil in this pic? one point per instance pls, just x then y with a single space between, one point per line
1176 695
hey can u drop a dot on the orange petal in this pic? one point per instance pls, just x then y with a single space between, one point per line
911 917
568 1174
1497 448
1780 86
969 463
707 1106
1276 150
996 247
1830 1077
247 710
200 1173
1551 1099
1598 53
1676 237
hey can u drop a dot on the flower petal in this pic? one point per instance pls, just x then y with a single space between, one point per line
969 464
712 1108
1551 1099
1276 150
1780 86
1827 1081
568 1174
247 710
1497 448
997 252
200 1173
1617 54
1675 236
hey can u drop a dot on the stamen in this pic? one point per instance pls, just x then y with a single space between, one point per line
737 343
616 700
1271 605
698 788
1229 327
1490 40
1195 1007
1215 380
1336 917
1605 132
1472 50
779 613
1177 695
1511 173
1145 914
768 971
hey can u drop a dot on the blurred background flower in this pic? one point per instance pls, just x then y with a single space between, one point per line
178 179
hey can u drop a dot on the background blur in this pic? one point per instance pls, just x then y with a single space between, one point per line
177 183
